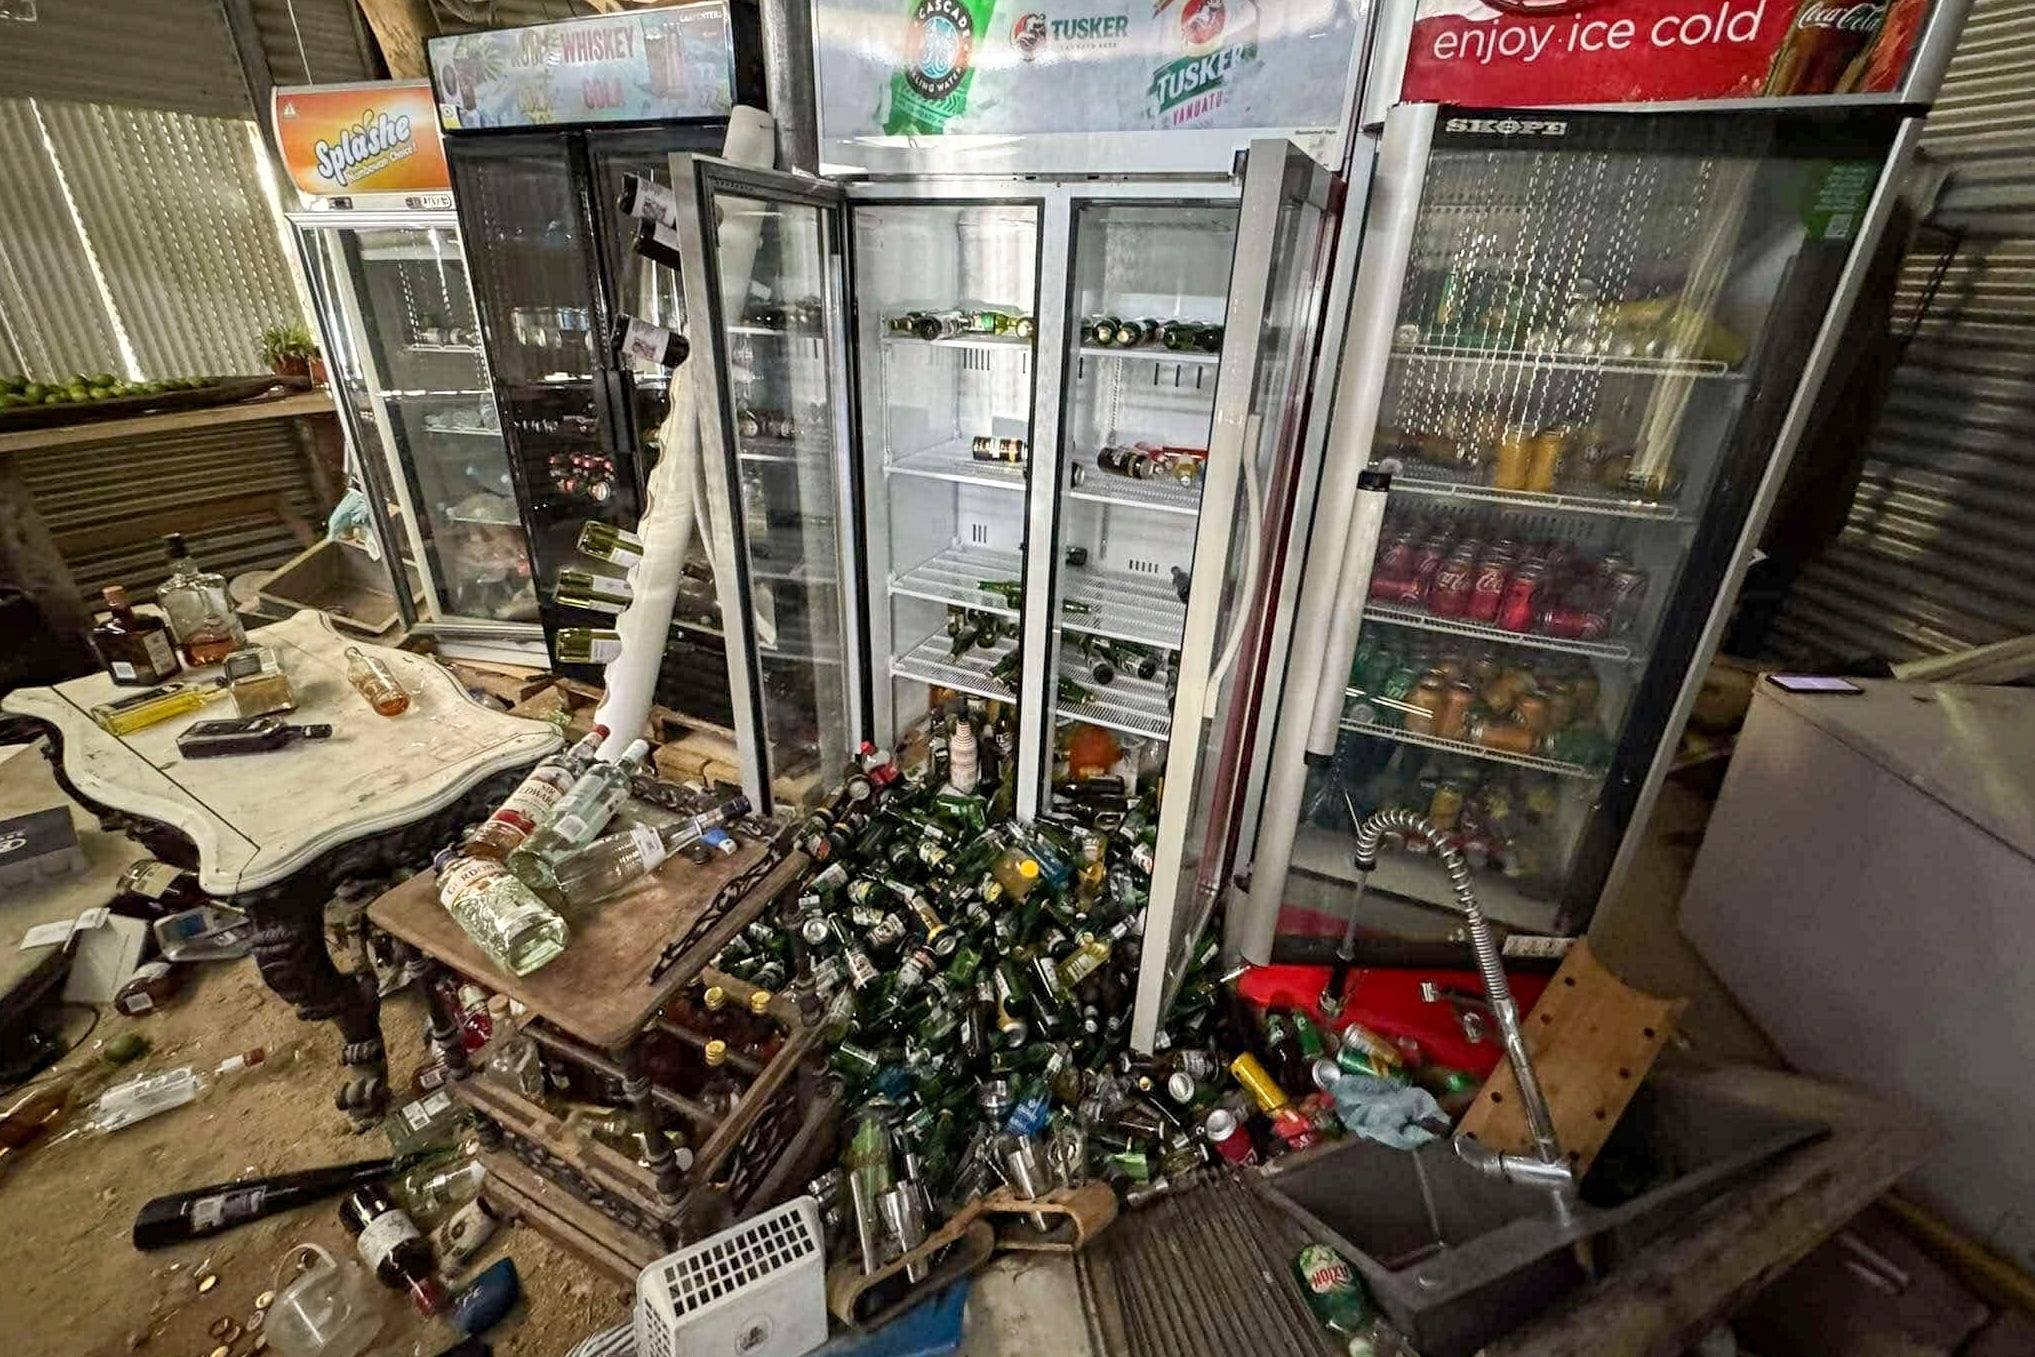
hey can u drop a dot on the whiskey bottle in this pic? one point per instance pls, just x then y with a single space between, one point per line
135 648
198 606
372 678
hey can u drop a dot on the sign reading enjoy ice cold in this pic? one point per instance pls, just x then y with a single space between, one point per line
659 64
1526 53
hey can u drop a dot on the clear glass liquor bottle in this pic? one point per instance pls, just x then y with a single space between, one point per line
540 791
517 931
577 819
614 860
198 606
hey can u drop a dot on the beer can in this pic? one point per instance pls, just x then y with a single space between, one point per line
1452 719
1514 462
1365 1052
1325 1073
1226 1135
1258 1082
1544 470
1534 712
1181 1088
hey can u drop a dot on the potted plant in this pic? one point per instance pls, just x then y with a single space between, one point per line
290 351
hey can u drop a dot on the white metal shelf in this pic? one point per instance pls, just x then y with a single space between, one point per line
1470 750
950 577
962 342
1609 506
776 451
462 431
1410 617
1132 705
928 662
1161 496
953 462
442 348
1126 607
1153 354
765 330
1553 360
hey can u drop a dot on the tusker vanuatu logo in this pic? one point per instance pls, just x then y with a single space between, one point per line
943 40
1195 85
1035 31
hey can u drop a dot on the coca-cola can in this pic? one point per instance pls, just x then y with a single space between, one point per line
1395 558
1427 563
1521 602
1624 594
1449 596
1487 587
1228 1137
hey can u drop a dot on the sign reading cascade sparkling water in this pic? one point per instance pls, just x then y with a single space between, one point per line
356 140
662 63
1524 53
930 68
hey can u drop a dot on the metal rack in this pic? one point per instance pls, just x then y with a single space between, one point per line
1409 617
1468 749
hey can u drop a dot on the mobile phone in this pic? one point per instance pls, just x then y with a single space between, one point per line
1813 683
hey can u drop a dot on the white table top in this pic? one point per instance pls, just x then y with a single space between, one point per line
257 818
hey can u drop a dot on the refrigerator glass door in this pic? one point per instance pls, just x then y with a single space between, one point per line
538 285
946 301
1182 440
1599 329
763 269
404 349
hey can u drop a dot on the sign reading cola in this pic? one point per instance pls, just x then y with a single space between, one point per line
1539 52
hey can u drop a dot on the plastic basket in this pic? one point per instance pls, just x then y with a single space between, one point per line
757 1289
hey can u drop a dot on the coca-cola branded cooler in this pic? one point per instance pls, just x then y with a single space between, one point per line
1585 343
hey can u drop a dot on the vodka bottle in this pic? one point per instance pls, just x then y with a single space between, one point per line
613 861
577 819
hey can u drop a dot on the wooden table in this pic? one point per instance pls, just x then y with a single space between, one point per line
280 834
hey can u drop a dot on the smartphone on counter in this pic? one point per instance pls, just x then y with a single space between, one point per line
1814 683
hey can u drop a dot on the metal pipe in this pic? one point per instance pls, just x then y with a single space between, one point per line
788 82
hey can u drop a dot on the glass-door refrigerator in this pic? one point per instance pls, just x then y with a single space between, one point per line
1065 421
1590 333
543 125
380 249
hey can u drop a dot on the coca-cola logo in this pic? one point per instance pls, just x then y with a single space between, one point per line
1865 18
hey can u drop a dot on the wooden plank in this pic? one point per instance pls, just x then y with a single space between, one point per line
600 989
299 405
565 1219
1592 1038
400 28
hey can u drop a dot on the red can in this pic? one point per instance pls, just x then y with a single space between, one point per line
1449 596
1576 617
1516 611
1395 558
1427 563
1228 1137
1487 587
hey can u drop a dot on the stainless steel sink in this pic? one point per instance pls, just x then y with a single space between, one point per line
1455 1257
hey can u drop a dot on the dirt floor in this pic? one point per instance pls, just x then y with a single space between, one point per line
71 1283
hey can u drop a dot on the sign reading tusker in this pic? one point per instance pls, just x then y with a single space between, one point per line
361 140
1521 53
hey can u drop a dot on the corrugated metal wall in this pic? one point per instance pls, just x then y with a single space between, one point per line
52 318
169 54
1934 555
173 207
311 42
85 491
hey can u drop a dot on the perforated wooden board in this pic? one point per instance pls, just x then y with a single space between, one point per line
1592 1038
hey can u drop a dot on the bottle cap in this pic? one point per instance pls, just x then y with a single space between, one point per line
759 1002
716 998
717 1052
637 752
115 596
1028 869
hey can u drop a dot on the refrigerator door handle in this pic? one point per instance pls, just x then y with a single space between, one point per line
1254 519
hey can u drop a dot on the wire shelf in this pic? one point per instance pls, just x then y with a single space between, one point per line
1610 506
462 431
963 342
1191 357
1408 617
928 662
443 348
953 462
1553 360
1474 751
950 577
1126 607
779 554
1164 496
775 451
1132 705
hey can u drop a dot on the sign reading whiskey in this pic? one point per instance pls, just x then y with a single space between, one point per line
891 69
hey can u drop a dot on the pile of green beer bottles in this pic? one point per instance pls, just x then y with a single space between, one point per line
976 977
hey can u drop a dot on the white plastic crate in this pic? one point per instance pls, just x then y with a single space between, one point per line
758 1289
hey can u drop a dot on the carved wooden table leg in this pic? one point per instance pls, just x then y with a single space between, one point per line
289 947
649 1120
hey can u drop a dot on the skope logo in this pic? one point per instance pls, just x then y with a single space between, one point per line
12 842
1510 127
943 39
1028 34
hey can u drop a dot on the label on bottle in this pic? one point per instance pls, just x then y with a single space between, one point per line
649 845
152 879
651 343
526 805
466 876
123 671
382 1236
226 1208
424 1111
571 828
159 654
652 201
